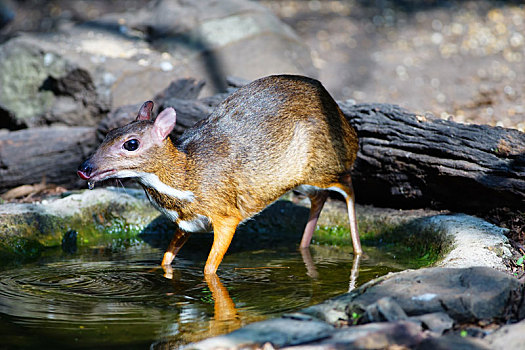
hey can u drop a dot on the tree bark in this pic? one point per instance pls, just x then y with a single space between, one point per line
405 161
54 154
409 161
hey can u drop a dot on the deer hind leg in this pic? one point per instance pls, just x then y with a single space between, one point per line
345 188
317 199
223 231
179 238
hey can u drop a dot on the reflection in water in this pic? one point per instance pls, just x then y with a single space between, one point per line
354 273
120 299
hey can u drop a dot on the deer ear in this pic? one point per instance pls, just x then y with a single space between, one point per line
145 111
164 124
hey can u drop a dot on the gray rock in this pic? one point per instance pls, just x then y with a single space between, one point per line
475 242
436 322
385 309
279 332
76 75
466 295
508 337
224 38
89 213
371 336
454 342
41 86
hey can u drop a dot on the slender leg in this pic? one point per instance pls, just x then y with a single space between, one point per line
317 200
347 190
179 238
350 203
223 231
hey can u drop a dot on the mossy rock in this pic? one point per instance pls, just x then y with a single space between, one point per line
97 216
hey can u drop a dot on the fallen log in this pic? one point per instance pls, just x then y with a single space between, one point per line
405 160
30 155
410 161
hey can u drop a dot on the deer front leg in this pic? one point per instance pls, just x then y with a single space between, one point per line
223 231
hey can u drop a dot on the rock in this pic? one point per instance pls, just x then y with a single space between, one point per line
40 86
219 39
184 89
455 342
508 337
279 332
486 294
384 335
27 229
385 309
76 75
475 241
436 322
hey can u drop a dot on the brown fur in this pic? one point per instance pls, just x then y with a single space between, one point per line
267 138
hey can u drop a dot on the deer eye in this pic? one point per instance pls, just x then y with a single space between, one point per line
131 145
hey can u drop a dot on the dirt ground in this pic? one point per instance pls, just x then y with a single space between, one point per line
451 58
455 59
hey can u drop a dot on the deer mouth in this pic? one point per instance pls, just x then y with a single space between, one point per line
97 176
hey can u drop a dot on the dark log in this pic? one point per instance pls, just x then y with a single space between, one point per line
409 161
405 161
27 156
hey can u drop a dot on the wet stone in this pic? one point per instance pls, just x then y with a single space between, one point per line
69 242
508 337
279 332
485 293
448 342
385 309
437 322
372 336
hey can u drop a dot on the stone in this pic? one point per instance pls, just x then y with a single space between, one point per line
77 74
466 295
278 332
381 335
475 242
219 39
508 337
455 342
385 309
436 322
41 86
87 216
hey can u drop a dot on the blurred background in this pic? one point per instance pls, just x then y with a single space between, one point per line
454 59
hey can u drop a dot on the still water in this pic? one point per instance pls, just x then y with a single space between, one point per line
119 297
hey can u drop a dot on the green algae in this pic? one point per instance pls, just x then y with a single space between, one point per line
105 218
412 244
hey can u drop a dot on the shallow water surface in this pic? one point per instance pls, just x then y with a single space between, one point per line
120 298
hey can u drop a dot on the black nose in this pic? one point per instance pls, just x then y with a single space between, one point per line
85 169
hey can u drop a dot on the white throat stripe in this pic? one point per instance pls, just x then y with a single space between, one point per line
153 181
